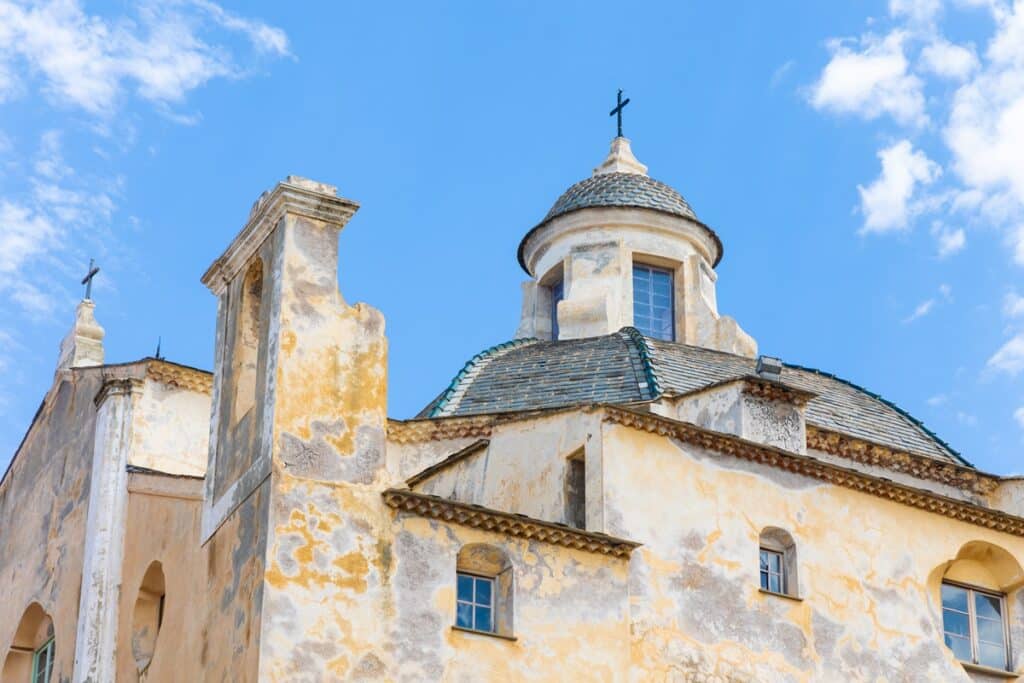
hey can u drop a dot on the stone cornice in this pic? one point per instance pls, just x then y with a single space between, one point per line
180 376
759 387
920 466
817 469
116 386
440 429
521 526
292 196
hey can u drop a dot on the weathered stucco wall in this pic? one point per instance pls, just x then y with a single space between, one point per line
570 610
869 571
171 429
43 508
523 469
163 526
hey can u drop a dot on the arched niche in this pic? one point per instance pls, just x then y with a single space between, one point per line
974 591
27 654
247 337
777 562
491 563
147 616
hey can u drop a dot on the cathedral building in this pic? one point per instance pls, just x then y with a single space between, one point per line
624 491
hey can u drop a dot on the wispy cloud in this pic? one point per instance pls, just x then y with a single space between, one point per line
1013 305
90 62
781 72
928 305
1009 359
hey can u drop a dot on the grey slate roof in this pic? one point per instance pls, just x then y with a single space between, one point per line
621 189
626 367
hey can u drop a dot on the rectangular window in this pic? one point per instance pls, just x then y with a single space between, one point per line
557 294
653 312
974 625
474 607
773 574
42 663
576 493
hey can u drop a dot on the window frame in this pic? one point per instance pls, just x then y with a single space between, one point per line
765 575
653 269
972 626
46 653
557 292
492 606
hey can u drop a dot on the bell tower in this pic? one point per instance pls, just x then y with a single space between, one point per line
296 460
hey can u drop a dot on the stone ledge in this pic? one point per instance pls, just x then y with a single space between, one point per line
479 517
817 469
181 376
920 466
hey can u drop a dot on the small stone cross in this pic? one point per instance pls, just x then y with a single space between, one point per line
87 280
618 110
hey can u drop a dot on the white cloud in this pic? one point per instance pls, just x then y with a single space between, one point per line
923 309
937 400
88 61
948 60
1018 415
950 241
886 202
781 72
24 234
1010 356
1016 239
923 11
1013 305
946 291
871 82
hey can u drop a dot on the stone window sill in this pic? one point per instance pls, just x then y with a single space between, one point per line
990 671
782 595
484 633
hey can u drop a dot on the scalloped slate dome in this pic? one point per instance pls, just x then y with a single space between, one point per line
621 189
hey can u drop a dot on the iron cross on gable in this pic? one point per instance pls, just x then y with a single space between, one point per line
618 110
87 280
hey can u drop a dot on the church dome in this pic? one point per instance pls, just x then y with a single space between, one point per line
621 189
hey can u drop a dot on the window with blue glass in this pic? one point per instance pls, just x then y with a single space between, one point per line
653 312
974 625
42 663
475 603
773 571
557 294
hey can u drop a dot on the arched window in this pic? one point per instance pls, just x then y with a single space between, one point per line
31 654
246 352
148 616
484 590
973 592
777 567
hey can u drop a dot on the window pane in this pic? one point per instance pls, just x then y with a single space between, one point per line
483 592
954 597
764 580
955 623
465 588
961 647
775 562
990 631
987 606
992 655
775 583
483 619
764 560
464 615
652 302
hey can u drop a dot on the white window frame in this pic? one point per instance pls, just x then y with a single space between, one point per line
473 604
765 575
671 297
972 622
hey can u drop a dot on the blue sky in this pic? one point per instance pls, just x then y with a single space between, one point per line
862 163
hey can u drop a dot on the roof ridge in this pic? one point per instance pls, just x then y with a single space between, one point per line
646 358
878 397
449 399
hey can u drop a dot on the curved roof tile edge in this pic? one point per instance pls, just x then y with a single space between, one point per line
903 413
441 402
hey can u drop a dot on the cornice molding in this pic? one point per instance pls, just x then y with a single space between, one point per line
180 376
439 429
288 197
920 466
117 386
768 390
521 526
818 469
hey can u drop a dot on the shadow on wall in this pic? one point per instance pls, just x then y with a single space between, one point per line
30 656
